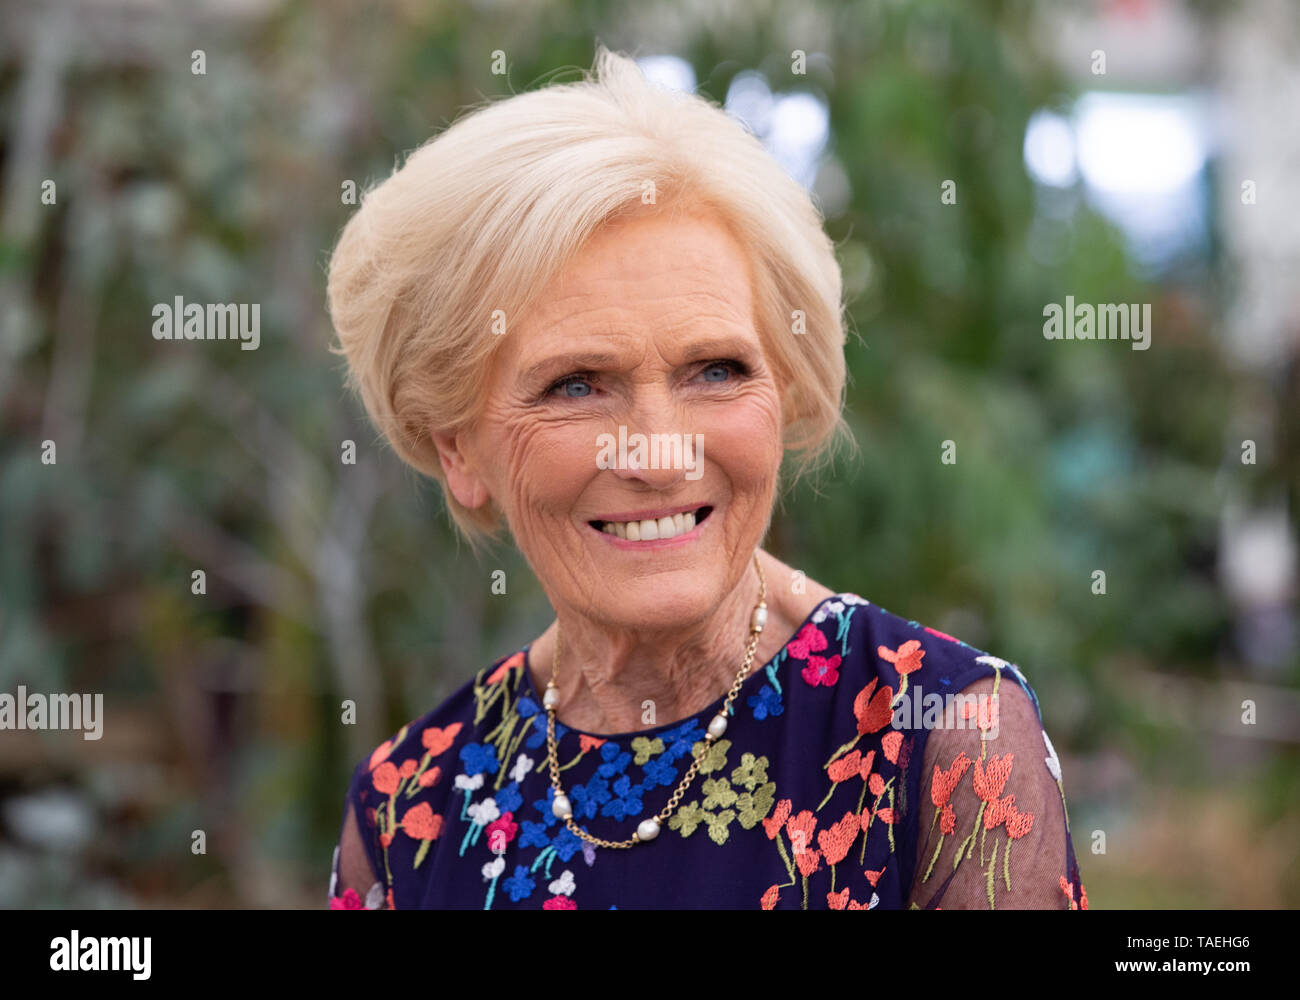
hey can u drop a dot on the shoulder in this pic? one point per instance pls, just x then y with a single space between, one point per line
400 789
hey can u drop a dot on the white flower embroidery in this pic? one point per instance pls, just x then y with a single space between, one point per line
875 900
334 872
1051 760
467 784
484 812
523 764
853 599
494 868
563 885
993 661
375 897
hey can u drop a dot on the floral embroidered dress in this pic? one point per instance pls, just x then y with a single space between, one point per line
851 776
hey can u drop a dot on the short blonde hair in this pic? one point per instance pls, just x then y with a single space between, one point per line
483 215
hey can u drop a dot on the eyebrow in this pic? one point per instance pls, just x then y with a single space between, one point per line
712 347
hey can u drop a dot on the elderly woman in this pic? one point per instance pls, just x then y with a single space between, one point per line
600 314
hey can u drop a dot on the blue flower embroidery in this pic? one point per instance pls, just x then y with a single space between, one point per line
659 771
588 798
615 760
479 757
533 834
680 740
627 799
519 885
509 799
538 739
766 703
543 806
567 844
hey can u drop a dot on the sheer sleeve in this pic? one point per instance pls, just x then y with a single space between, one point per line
993 830
354 883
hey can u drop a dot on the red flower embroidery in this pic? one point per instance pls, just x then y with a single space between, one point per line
500 832
810 639
947 819
837 840
514 660
589 742
943 782
943 635
560 902
351 901
995 812
906 658
420 822
874 877
429 777
846 767
386 778
770 897
800 830
385 839
772 825
838 900
821 670
873 712
1018 824
890 742
438 741
877 784
988 782
408 768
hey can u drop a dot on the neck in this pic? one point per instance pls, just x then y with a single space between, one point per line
617 680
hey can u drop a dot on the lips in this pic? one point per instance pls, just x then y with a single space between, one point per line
648 529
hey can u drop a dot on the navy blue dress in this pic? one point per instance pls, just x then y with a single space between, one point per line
816 797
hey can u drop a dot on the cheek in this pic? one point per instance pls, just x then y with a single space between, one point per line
744 438
541 464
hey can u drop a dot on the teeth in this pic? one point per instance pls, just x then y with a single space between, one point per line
651 530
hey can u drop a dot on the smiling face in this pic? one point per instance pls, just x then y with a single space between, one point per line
648 331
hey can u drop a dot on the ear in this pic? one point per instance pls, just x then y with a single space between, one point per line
458 466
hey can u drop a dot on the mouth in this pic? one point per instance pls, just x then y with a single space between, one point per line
655 529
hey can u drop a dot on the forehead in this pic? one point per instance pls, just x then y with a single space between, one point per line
647 275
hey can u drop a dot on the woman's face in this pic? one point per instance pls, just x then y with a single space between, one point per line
648 331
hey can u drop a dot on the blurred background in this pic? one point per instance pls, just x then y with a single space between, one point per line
1128 151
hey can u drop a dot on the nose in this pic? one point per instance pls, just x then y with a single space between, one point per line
655 446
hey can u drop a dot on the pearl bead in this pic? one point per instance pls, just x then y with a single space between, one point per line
718 726
561 808
551 698
648 829
759 620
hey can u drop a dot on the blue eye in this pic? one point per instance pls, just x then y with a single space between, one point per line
572 387
723 370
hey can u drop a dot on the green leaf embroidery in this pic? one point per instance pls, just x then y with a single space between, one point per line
751 772
754 806
718 824
718 793
715 759
645 749
687 818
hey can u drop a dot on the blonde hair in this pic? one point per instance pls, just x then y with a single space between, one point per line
483 215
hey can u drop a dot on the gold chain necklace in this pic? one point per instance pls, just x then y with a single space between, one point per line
648 828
